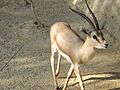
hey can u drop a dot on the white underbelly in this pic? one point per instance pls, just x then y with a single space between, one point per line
63 55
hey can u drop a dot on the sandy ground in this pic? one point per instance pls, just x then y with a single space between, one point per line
25 45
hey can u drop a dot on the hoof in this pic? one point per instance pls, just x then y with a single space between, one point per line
56 74
57 88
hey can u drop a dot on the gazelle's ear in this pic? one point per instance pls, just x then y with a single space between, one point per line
85 31
102 27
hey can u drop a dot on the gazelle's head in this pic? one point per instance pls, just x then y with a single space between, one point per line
98 39
96 35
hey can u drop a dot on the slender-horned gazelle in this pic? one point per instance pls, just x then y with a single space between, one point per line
72 47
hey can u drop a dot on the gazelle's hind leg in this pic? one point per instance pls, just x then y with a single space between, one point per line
58 64
53 50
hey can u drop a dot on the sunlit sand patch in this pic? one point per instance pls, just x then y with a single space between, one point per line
73 80
96 76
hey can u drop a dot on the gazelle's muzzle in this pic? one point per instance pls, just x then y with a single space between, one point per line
105 44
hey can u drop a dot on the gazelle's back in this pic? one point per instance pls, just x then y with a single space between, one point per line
65 38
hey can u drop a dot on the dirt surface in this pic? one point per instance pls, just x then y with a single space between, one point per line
25 45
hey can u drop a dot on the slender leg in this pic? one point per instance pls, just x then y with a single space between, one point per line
53 67
79 77
58 64
74 2
68 76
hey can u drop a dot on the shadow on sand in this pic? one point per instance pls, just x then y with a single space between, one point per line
98 76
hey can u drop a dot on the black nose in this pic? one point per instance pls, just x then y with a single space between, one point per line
106 45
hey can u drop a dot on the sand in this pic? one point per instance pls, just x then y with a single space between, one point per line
25 45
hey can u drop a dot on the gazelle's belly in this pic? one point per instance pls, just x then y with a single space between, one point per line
64 55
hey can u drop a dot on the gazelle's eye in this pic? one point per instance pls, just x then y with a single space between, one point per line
94 37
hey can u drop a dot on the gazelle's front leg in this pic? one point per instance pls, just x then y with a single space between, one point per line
79 77
68 76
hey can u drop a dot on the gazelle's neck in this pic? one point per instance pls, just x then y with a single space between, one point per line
87 51
89 43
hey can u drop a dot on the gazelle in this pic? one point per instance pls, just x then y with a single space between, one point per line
72 47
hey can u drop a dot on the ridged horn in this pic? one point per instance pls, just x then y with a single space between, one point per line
85 17
94 17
